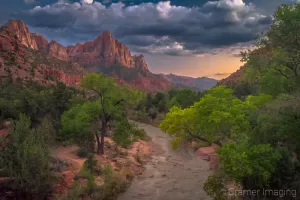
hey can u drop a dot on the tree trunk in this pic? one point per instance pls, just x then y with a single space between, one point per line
98 143
103 133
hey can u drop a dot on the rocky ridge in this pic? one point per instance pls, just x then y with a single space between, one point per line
20 59
97 56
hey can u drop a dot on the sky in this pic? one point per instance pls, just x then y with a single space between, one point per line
186 37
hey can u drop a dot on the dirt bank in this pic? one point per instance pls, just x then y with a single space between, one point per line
170 175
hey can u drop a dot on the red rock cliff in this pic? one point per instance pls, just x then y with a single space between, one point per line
58 51
105 51
20 30
22 63
58 61
42 43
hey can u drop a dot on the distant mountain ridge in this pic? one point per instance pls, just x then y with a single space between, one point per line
200 83
104 54
96 56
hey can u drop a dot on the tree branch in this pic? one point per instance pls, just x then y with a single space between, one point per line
118 102
281 73
201 138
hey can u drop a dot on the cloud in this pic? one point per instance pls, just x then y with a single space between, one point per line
29 1
87 1
156 28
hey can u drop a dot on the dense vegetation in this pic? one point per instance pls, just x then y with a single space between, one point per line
43 117
153 107
256 123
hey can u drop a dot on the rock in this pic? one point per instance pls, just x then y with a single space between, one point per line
58 51
42 43
215 146
205 152
209 154
6 124
62 76
26 64
21 31
104 53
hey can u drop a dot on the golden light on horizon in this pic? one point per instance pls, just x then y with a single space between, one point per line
217 66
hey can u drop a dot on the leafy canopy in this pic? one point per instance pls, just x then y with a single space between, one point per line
217 116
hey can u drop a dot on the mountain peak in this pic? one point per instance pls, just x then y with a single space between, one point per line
106 33
15 22
20 30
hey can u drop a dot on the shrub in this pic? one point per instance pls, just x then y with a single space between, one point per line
114 184
91 165
215 188
82 153
25 159
126 133
123 135
152 113
75 193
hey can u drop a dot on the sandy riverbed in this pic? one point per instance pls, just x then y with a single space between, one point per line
170 175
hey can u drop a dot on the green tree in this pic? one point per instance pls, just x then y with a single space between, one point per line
110 98
24 158
186 98
217 116
249 164
276 61
81 124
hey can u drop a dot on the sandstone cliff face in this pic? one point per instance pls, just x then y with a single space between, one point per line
53 61
42 43
20 30
58 51
105 51
18 62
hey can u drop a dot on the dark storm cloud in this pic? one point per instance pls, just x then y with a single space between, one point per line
160 28
29 1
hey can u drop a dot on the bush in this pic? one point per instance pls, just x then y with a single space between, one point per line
152 113
24 157
82 153
139 134
123 135
126 133
215 188
91 165
112 187
75 193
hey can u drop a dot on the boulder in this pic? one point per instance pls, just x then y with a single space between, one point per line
205 152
